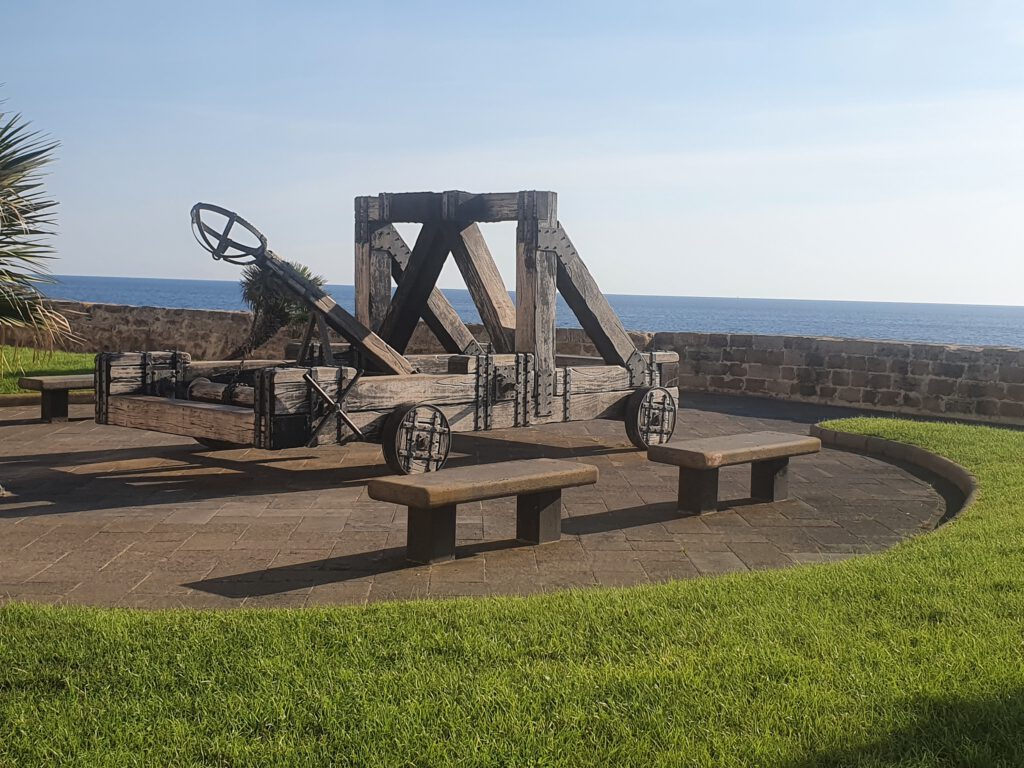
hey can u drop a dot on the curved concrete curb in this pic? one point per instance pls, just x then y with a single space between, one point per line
880 448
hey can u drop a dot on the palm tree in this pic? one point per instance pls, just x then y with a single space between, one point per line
26 221
272 308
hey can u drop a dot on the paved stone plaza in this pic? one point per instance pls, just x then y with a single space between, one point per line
109 516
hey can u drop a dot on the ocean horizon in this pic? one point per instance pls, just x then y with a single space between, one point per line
898 321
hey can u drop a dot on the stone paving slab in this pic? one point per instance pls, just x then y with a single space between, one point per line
101 515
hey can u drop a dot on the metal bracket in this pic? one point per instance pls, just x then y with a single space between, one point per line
334 408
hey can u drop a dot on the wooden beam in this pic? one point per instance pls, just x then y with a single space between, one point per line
418 280
439 315
453 205
580 291
536 272
230 423
498 313
372 272
378 353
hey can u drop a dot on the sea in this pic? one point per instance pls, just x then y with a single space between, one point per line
940 323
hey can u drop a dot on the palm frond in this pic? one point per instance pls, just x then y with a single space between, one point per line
27 221
271 305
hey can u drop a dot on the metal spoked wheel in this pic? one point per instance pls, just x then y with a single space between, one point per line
650 416
416 438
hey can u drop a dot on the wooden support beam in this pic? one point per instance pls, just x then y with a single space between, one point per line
536 272
454 205
377 352
599 320
439 315
418 280
372 272
498 313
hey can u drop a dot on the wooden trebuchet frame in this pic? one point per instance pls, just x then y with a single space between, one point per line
374 390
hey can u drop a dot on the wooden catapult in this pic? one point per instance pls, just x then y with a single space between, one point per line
372 390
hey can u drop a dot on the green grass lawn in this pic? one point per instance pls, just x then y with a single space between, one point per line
20 362
912 657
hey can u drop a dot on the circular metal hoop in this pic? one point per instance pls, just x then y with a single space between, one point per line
416 438
211 227
650 416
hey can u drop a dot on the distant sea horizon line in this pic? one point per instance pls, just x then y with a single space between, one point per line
637 295
929 322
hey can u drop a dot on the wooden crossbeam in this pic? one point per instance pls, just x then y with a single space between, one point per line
454 205
599 320
498 313
380 355
418 280
439 315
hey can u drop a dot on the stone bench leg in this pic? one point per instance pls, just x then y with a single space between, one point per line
698 490
54 404
769 480
539 517
431 535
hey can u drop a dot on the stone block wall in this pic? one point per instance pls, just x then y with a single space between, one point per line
964 382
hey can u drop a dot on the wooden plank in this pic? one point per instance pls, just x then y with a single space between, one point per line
483 280
469 363
372 285
580 291
439 315
380 392
182 417
535 310
430 363
418 280
591 378
205 368
587 360
492 206
51 383
377 352
206 391
452 205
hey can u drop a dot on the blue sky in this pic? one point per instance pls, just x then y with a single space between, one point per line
793 150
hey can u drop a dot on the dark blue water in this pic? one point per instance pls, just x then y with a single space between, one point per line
943 323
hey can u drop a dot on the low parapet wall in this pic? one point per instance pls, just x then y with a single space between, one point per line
965 382
976 383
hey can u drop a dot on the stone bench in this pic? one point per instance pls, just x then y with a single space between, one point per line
768 454
53 392
433 496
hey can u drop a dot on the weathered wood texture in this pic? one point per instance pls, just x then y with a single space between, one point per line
453 205
378 353
479 483
599 320
439 315
182 417
535 309
47 383
372 273
418 280
727 450
205 368
208 391
483 280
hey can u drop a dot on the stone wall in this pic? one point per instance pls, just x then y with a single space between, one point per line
207 334
974 383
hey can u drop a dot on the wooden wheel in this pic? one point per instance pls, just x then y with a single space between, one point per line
416 438
650 416
218 445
